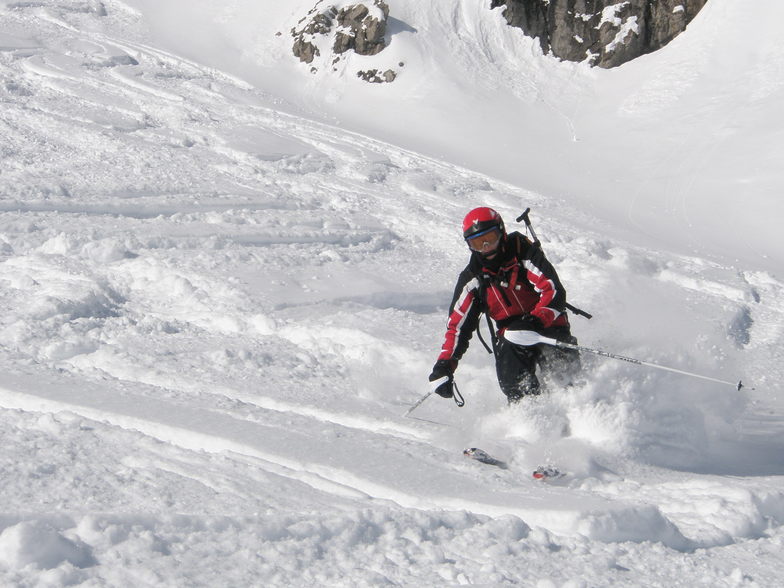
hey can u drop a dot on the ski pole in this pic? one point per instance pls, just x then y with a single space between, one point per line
527 338
418 402
458 398
529 226
537 243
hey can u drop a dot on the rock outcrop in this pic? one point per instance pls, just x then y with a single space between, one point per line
359 31
607 33
360 28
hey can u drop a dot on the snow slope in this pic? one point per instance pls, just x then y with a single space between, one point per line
225 280
469 82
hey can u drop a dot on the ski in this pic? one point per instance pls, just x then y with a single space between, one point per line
543 472
547 472
484 457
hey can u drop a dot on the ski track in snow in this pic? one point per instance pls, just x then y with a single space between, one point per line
216 314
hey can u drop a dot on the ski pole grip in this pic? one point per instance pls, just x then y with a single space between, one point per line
524 338
524 216
436 384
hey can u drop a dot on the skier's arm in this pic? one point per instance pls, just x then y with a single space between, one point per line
463 318
543 277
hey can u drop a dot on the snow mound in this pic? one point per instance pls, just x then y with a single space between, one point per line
37 544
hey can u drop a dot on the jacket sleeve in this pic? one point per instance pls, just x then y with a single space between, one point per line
542 276
463 317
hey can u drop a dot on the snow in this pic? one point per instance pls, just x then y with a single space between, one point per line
629 26
225 280
610 14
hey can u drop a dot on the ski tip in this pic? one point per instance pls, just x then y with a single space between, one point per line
482 456
477 454
547 473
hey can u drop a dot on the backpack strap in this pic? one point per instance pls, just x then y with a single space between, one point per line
483 280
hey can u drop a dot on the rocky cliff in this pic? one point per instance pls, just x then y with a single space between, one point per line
359 28
605 32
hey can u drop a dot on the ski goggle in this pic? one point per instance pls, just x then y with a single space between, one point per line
485 241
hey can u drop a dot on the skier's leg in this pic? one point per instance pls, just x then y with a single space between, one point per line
560 365
516 366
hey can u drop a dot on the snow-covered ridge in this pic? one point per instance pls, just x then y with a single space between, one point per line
217 310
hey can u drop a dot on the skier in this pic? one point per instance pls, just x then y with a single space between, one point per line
510 280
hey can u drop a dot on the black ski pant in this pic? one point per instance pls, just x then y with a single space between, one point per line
516 365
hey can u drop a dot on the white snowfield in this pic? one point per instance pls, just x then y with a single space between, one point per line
225 279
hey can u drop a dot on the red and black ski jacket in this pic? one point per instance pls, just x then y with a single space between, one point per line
519 281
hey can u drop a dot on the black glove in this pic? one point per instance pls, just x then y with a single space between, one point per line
527 322
444 368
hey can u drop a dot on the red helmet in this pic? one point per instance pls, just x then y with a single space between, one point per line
480 220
